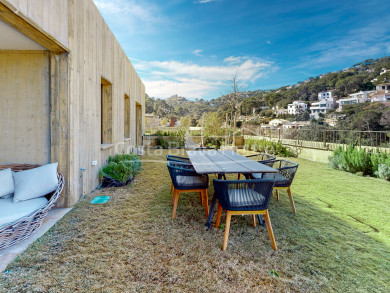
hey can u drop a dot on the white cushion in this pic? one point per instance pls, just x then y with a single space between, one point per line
7 186
10 211
36 182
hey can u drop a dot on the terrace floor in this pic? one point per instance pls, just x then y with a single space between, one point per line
339 241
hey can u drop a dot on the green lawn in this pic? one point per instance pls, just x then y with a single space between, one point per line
339 241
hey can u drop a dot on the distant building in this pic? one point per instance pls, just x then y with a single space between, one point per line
325 95
295 125
296 107
381 96
326 101
356 98
383 86
277 122
152 120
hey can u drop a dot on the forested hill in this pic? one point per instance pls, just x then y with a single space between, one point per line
358 77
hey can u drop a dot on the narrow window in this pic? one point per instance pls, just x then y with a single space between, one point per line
127 117
138 124
106 112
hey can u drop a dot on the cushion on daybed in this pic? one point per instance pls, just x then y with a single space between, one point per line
7 186
11 211
35 182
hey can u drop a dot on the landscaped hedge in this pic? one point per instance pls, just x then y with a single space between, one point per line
357 160
270 147
120 169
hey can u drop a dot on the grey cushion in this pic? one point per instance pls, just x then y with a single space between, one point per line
188 181
7 186
245 198
10 211
36 182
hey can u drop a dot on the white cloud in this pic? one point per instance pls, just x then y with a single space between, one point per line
130 15
164 78
205 1
269 42
234 60
197 52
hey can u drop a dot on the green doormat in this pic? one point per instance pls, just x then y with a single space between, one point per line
100 199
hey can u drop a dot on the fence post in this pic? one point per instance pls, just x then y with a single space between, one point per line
279 134
360 139
324 138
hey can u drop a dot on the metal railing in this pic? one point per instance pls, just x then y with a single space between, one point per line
327 139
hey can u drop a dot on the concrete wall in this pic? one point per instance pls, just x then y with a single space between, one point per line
24 107
50 15
85 51
95 53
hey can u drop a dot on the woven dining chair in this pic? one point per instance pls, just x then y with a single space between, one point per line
260 158
283 179
178 159
185 179
244 197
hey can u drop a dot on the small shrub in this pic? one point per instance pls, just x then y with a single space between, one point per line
120 169
359 161
270 147
383 171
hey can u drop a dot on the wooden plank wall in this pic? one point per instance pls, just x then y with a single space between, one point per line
24 107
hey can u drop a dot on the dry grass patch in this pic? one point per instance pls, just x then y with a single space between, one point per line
131 244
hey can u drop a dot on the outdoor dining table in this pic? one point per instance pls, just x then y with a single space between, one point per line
221 163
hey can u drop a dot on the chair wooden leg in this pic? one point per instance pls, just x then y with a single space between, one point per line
291 200
171 187
254 221
173 196
277 194
269 228
219 212
206 202
176 193
227 228
201 198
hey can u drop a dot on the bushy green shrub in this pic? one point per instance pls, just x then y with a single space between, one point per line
270 147
121 168
358 160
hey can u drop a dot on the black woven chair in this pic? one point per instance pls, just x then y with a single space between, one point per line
178 159
260 158
283 179
185 179
244 197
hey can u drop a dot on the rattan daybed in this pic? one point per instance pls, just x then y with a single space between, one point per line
21 229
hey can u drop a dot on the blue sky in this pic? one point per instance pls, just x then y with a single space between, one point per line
194 48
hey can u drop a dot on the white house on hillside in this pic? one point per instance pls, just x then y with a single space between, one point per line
326 101
356 98
296 106
325 95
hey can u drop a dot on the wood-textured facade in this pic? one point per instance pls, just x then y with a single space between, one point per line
77 101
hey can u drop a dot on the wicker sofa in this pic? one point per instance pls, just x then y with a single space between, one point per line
21 229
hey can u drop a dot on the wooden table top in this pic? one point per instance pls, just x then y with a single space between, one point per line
223 162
